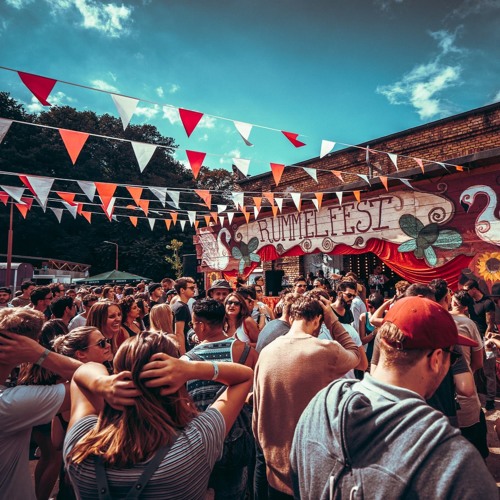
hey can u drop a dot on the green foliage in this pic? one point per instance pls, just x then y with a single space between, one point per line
174 260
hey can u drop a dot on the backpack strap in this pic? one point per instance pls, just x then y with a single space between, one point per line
138 487
244 354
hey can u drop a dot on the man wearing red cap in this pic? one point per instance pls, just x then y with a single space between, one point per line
378 437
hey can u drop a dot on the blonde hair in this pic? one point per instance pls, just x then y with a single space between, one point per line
161 319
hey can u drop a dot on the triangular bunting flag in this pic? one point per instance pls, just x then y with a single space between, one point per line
256 211
57 212
242 165
442 165
394 159
24 207
312 172
246 214
88 187
191 216
4 127
279 202
420 163
67 197
237 198
79 208
40 86
406 182
136 193
384 181
160 193
230 216
319 199
365 178
144 204
74 142
196 224
189 119
221 208
338 174
459 168
244 130
106 192
174 196
126 107
151 223
215 217
269 197
340 195
108 210
207 219
205 195
14 192
168 223
143 153
357 195
222 219
258 201
4 198
326 147
275 210
296 200
315 203
88 216
73 209
277 169
183 224
41 186
174 217
195 159
293 139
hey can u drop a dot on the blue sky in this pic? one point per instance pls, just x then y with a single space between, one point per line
346 71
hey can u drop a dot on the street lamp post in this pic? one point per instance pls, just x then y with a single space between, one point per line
116 259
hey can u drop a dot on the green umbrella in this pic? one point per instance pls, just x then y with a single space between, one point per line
112 277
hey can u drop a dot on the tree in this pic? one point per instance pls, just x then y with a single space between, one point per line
174 260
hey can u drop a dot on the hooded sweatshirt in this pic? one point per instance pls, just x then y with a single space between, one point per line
373 440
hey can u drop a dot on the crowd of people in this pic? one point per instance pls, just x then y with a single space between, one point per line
159 391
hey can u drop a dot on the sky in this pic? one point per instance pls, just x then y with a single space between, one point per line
344 71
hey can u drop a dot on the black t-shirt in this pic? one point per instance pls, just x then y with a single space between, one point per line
478 312
182 313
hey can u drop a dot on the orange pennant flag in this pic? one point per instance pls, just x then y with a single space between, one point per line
74 142
338 174
87 215
195 159
67 197
106 192
420 163
383 180
196 224
207 219
205 195
133 220
246 214
319 197
277 169
136 193
189 119
215 216
275 209
168 223
174 217
357 195
269 197
459 168
79 208
258 201
144 204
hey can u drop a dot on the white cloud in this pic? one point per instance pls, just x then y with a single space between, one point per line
147 112
496 98
207 122
159 91
18 4
471 7
423 86
173 88
171 114
203 138
102 85
55 98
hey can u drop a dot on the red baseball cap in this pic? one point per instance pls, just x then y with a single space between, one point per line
426 324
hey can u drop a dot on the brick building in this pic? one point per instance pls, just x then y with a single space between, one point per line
440 167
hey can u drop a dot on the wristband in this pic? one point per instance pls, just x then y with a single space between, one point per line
42 358
216 370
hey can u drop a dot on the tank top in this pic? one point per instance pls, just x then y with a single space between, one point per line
241 334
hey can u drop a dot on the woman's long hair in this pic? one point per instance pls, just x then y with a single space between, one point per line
98 314
161 319
127 437
244 311
76 340
125 305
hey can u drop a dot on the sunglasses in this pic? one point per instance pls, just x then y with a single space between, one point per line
258 291
191 287
349 295
102 344
454 356
233 303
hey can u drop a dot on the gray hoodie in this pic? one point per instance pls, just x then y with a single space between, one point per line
373 440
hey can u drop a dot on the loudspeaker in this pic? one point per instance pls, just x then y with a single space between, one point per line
273 282
190 265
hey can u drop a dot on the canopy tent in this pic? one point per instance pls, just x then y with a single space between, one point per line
111 277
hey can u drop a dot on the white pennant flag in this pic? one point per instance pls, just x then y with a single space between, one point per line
256 211
126 107
151 223
279 202
238 199
296 199
442 165
244 130
88 188
312 172
221 208
222 219
365 178
14 192
42 187
183 224
174 196
114 218
110 207
57 212
315 203
71 208
242 165
160 193
394 159
191 216
339 194
143 153
326 147
4 127
230 216
407 183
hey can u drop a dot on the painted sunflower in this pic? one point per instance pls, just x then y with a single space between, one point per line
488 266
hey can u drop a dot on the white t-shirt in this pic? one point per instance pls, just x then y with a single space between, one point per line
77 321
21 408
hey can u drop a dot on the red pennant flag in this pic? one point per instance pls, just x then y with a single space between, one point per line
459 168
26 182
258 201
144 204
168 223
106 192
87 215
207 219
25 206
40 86
357 195
293 139
319 197
270 197
74 142
67 197
205 195
4 198
195 159
135 192
189 119
79 208
383 180
174 217
133 220
109 214
277 169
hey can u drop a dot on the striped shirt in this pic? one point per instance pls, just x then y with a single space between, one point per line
182 474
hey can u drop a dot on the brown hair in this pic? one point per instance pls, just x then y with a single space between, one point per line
26 322
76 340
400 359
98 314
244 312
124 438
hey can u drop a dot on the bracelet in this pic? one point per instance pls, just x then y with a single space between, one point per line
42 358
216 370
